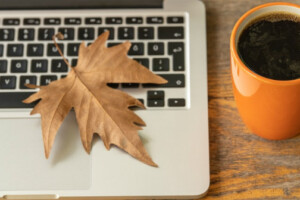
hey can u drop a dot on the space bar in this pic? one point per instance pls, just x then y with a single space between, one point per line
14 99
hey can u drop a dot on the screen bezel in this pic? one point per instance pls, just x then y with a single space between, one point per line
77 4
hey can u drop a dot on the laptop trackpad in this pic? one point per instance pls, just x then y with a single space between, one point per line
23 163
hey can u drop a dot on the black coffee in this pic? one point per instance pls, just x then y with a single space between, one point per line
270 46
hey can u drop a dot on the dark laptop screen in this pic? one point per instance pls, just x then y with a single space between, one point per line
78 4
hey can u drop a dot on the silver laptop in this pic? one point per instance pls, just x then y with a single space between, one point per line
168 37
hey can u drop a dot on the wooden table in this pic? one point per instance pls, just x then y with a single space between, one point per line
243 165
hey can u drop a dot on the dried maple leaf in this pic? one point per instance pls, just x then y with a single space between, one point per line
99 108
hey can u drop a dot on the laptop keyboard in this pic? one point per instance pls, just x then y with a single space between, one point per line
28 54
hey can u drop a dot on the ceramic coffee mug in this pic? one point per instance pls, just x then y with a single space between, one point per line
270 108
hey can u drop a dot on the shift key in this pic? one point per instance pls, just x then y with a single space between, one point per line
174 81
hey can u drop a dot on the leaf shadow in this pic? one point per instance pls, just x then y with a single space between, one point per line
66 143
97 138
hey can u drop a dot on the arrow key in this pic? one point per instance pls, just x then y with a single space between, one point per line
155 95
176 102
155 103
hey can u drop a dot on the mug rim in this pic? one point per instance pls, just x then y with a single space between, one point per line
237 57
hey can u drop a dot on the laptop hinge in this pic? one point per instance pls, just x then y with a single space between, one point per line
78 4
31 197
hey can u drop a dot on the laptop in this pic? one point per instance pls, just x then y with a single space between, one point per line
168 37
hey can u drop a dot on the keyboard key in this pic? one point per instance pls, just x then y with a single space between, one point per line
130 85
46 33
63 76
11 21
18 66
45 80
155 103
32 21
7 82
111 32
14 99
177 50
15 50
68 33
134 20
155 20
113 85
142 101
39 65
175 20
156 48
3 66
136 49
111 44
178 102
73 20
27 80
93 20
161 64
1 49
35 49
156 95
52 50
73 49
170 33
113 20
86 33
52 21
174 81
74 62
26 34
7 34
125 33
146 33
59 66
143 61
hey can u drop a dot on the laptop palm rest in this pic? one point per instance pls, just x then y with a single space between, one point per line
24 166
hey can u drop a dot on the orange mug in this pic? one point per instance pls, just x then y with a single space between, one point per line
270 108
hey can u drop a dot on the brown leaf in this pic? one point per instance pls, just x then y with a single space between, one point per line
99 108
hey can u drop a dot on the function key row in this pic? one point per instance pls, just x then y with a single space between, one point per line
26 21
93 20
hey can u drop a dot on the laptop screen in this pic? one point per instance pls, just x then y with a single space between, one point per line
78 4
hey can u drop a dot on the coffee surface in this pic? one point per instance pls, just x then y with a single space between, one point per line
270 46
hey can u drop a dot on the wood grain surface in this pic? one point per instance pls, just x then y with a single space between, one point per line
243 165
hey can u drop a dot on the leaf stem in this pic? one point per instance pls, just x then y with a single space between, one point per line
59 35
